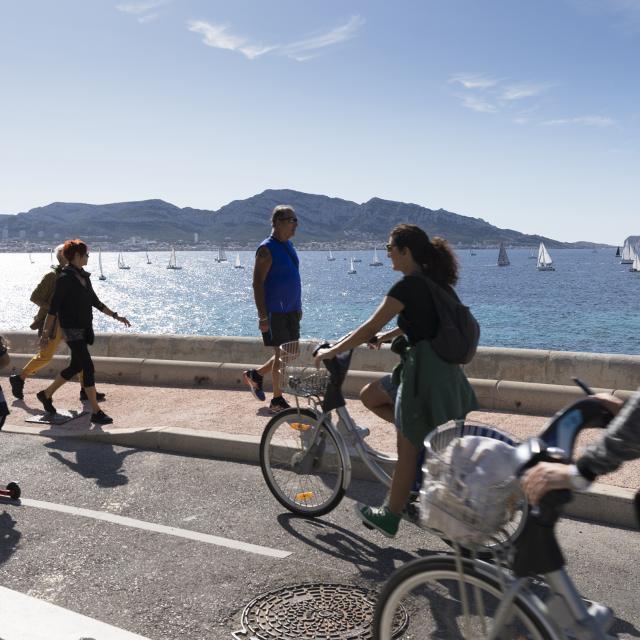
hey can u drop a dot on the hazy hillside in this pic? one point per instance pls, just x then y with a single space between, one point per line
245 222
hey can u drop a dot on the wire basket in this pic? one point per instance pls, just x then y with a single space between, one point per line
462 501
297 380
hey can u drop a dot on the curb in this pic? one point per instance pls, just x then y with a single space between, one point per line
601 503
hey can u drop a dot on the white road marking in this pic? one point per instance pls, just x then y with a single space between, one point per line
157 528
23 617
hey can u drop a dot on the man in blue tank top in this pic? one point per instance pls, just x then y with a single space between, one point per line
278 294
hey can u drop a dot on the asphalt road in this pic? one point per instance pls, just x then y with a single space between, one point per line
163 585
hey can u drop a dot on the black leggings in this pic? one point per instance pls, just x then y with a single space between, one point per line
80 361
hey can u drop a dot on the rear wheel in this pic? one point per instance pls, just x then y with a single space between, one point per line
440 603
302 463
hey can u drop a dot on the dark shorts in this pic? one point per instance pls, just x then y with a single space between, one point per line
283 327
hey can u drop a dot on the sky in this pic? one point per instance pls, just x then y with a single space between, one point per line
525 113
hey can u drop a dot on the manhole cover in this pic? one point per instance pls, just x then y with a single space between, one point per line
313 612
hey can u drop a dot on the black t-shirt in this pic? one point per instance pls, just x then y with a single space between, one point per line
419 319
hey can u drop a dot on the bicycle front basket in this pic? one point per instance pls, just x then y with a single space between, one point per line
299 380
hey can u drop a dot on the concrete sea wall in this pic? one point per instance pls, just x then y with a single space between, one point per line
522 380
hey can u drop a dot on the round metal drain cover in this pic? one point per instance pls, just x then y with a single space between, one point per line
313 612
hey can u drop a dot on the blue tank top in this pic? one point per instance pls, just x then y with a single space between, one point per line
282 287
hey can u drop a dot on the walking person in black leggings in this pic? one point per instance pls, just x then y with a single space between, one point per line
71 308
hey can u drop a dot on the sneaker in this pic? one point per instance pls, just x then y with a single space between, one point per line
278 404
101 418
46 402
254 380
17 386
379 518
100 397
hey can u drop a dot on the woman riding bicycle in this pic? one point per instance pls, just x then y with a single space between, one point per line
430 391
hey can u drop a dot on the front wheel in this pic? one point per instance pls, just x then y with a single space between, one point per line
436 601
302 463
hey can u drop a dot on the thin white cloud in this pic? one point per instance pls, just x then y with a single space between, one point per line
524 90
478 104
219 37
144 11
139 8
587 121
473 80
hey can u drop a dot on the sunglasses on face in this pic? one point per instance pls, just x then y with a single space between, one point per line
389 247
289 219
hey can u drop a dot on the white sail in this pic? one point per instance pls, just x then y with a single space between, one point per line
352 269
222 256
503 259
102 276
545 263
635 265
330 257
238 264
121 262
146 253
172 260
376 262
627 253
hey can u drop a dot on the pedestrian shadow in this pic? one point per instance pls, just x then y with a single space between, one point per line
9 536
373 562
265 412
620 627
97 461
21 404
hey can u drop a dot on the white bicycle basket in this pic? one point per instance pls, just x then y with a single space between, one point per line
469 489
298 379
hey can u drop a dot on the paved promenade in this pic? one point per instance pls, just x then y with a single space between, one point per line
236 413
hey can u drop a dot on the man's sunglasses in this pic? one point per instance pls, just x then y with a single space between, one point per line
289 219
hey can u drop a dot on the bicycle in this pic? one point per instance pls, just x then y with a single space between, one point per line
526 593
304 454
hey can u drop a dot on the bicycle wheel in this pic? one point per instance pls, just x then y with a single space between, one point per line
302 463
435 598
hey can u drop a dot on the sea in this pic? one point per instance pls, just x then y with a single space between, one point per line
589 303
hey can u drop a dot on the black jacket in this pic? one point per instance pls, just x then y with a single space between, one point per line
72 302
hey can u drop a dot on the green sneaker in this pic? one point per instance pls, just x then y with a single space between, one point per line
379 518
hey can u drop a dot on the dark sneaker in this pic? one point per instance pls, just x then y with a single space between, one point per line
379 518
100 397
278 404
46 402
254 380
101 418
17 386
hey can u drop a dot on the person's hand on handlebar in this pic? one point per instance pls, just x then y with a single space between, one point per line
609 402
324 354
545 477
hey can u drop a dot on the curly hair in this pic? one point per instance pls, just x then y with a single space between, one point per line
73 247
435 257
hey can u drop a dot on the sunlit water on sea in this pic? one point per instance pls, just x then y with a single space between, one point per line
590 303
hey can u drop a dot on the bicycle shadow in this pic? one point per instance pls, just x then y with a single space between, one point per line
9 536
372 561
93 461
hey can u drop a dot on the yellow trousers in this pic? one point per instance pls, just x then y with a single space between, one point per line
44 357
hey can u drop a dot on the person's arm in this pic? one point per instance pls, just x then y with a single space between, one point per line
42 293
260 272
388 309
380 338
620 442
59 293
4 353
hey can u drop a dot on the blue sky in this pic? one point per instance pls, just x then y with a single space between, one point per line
523 112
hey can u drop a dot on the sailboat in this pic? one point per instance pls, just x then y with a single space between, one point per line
146 253
533 255
636 264
545 263
376 262
330 257
503 258
472 252
627 253
51 257
222 256
102 276
618 252
30 258
352 269
238 264
172 261
121 262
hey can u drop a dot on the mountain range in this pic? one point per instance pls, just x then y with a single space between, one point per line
322 221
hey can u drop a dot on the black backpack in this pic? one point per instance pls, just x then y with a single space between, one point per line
458 333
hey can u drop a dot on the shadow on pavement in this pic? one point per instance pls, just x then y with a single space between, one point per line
99 461
373 562
9 536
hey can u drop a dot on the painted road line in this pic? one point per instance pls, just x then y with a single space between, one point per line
26 618
157 528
